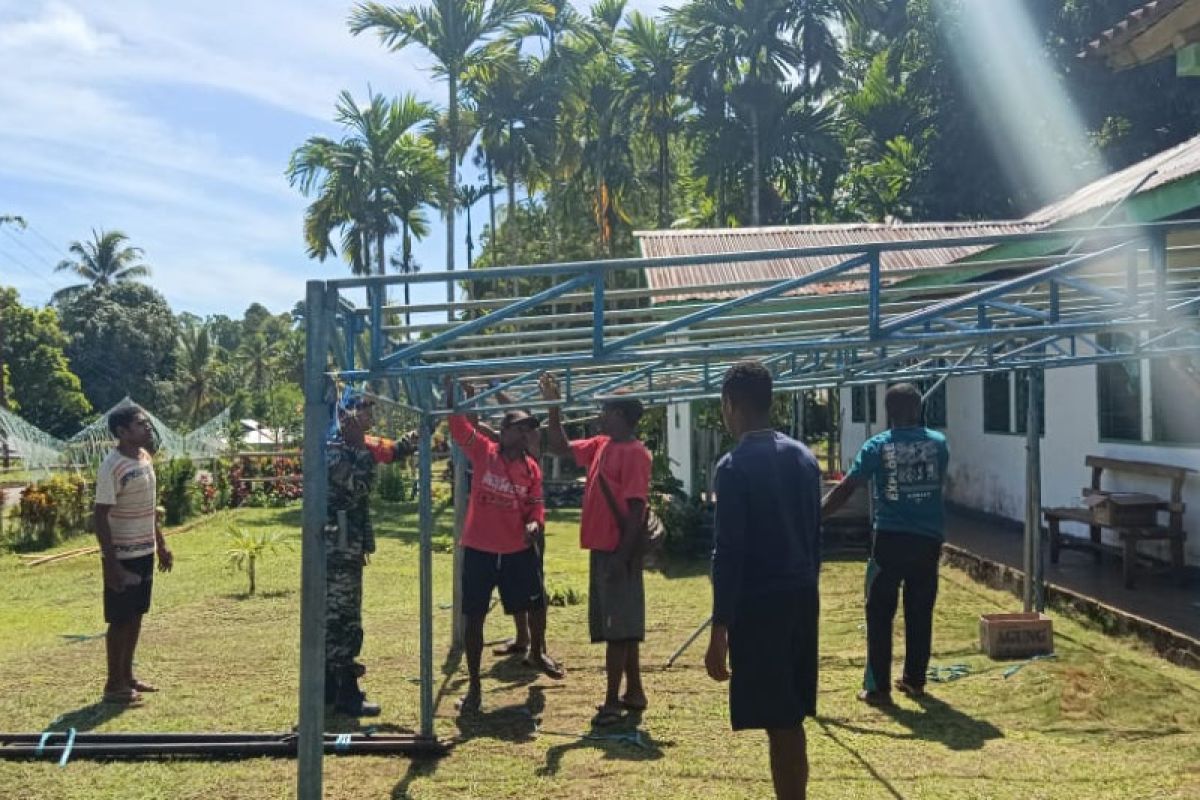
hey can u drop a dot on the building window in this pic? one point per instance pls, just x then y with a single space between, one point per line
935 404
1174 386
1021 391
997 410
862 398
1119 390
1006 399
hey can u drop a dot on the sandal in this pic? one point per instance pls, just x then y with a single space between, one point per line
606 716
547 665
140 686
509 648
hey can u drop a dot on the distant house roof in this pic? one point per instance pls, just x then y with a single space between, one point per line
1180 161
1168 167
1148 33
715 277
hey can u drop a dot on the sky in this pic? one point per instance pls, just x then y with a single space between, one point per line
173 122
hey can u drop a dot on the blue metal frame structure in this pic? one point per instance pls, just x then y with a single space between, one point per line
852 323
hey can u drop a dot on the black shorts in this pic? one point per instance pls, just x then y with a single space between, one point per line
519 576
773 660
134 601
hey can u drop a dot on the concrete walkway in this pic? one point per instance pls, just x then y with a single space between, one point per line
1157 597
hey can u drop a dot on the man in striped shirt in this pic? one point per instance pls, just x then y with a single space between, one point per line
129 534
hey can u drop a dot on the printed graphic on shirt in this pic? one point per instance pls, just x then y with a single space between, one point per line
910 471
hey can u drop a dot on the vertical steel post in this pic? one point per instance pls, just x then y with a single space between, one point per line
1033 495
1158 266
375 301
320 308
873 299
598 313
426 571
458 624
1037 377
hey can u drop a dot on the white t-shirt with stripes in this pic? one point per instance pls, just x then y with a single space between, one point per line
129 486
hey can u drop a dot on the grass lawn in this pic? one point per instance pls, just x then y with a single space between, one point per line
1104 720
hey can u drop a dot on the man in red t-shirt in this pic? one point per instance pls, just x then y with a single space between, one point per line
614 513
502 539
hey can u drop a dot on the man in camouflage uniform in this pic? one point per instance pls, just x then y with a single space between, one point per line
349 542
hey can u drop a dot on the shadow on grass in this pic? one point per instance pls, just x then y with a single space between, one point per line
289 516
827 725
88 717
936 721
271 595
417 768
624 740
512 723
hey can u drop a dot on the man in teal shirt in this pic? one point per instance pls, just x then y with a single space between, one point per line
906 466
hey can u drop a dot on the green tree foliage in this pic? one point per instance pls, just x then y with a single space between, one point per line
41 386
105 261
120 343
590 121
366 184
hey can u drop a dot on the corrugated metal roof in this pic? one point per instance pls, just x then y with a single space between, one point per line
740 240
1180 161
1171 165
1134 24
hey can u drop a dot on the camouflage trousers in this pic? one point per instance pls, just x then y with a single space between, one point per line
343 597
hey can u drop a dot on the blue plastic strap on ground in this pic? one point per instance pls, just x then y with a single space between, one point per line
947 674
1013 670
66 754
42 742
342 743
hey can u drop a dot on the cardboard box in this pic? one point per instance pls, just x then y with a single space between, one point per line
1016 635
1132 509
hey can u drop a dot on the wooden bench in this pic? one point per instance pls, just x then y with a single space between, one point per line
1129 535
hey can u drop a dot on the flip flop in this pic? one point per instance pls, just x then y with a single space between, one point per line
509 648
548 666
606 716
139 686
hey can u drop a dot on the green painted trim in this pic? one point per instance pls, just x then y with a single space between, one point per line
1156 205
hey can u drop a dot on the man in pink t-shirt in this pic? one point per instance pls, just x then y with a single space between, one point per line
613 519
503 538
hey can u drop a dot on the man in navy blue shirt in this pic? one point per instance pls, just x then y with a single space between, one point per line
905 465
766 561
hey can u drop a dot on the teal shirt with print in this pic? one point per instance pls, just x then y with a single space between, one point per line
906 468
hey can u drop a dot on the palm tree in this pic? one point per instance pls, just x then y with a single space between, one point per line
600 109
466 196
821 61
102 262
377 172
741 44
503 95
652 54
455 33
257 358
197 367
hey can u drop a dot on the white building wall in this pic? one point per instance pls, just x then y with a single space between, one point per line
679 443
987 470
